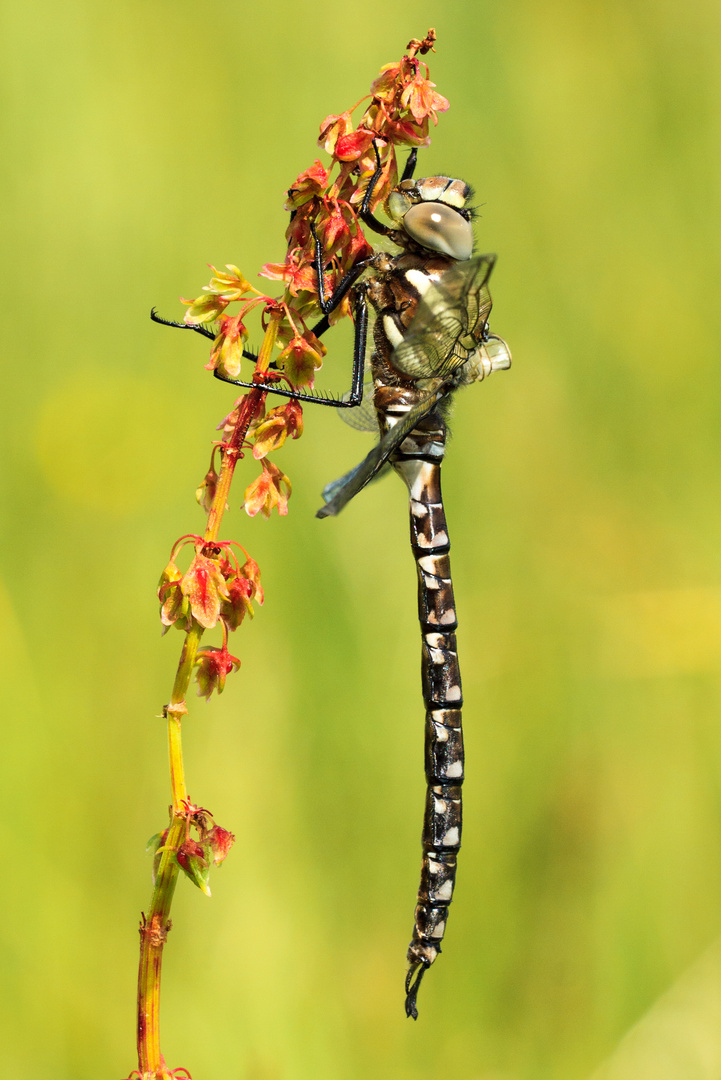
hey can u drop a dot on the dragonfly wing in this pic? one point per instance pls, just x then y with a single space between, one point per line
364 416
341 491
331 489
449 322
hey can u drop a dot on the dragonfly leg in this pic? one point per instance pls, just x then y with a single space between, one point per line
327 304
365 213
199 329
410 168
359 351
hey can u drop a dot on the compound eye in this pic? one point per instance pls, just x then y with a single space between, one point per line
440 228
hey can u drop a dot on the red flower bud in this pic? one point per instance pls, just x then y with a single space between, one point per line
309 184
251 571
194 860
237 605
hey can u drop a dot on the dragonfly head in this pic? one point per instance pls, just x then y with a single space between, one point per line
433 212
491 355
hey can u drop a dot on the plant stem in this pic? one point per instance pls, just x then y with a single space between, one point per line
232 449
156 925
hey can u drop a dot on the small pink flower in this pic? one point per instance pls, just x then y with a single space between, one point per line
203 586
221 841
174 607
206 492
297 271
274 429
227 351
301 358
193 860
271 490
214 665
421 99
307 186
332 129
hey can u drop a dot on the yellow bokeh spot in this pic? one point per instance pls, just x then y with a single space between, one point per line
99 441
662 632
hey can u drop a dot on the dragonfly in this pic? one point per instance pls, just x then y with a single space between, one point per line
432 303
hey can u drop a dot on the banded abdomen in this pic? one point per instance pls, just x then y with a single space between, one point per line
418 461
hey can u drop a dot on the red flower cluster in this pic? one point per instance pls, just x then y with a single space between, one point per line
216 587
403 100
210 845
402 103
323 202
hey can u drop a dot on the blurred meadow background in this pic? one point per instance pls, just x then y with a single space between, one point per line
142 141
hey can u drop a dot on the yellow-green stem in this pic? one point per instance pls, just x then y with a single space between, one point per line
156 925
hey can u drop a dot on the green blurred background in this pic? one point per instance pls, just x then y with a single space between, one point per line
143 140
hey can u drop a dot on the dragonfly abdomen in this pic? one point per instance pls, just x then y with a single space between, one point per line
419 463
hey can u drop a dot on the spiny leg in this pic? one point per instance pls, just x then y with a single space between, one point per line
359 351
198 328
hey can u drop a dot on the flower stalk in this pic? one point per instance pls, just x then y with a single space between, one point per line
156 925
218 587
